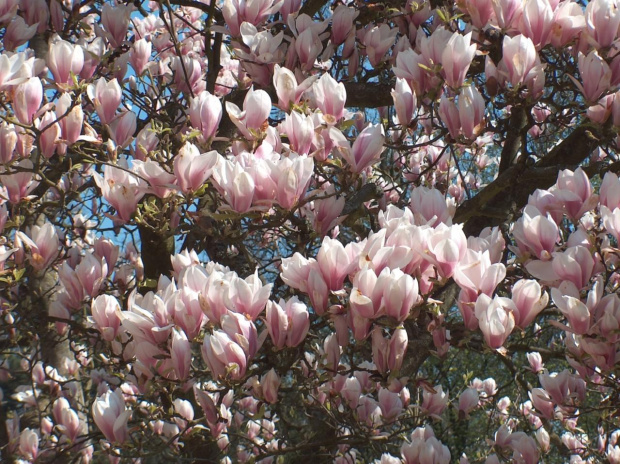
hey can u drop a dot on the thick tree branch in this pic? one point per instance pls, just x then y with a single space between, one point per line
499 200
368 94
512 144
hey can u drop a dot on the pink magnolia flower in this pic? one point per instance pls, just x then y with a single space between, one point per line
496 319
595 76
29 444
188 73
294 177
122 128
378 40
326 213
92 56
253 11
446 246
308 46
557 385
366 295
235 184
424 448
330 97
300 131
568 22
161 182
111 416
519 58
433 47
468 401
18 33
610 191
576 312
67 419
529 301
602 21
64 59
600 112
288 8
611 221
50 134
542 402
27 100
295 271
180 354
106 96
213 300
434 403
224 356
366 149
331 350
270 383
70 119
8 142
74 291
405 102
105 311
507 11
146 142
456 59
471 108
192 168
342 23
408 67
449 114
333 262
574 190
249 296
186 310
475 274
115 20
256 109
106 249
390 403
8 10
288 322
120 188
536 233
360 326
288 91
535 361
388 354
42 244
18 184
537 21
400 293
352 392
524 449
429 206
205 113
480 12
147 320
91 272
576 265
140 55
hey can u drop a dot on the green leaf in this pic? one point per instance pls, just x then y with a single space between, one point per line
18 273
149 283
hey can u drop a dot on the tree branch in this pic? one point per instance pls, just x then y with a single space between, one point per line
498 201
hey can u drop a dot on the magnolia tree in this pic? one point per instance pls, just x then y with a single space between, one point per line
310 231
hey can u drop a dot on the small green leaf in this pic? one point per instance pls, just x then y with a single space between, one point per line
19 273
149 283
